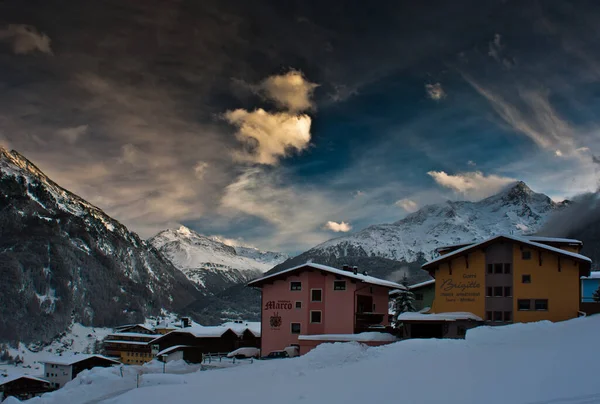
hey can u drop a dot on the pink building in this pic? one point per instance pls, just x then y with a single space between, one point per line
311 303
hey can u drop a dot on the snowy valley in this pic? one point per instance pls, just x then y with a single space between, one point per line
541 362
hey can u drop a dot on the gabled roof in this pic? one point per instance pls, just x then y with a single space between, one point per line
535 239
521 240
12 378
339 272
75 358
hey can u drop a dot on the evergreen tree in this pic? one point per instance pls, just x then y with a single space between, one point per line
596 295
405 300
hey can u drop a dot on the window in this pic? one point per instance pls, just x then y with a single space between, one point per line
315 316
298 305
419 296
295 328
526 255
461 331
488 316
316 295
47 374
490 268
507 291
526 278
498 291
524 304
541 304
339 285
507 268
489 291
498 316
507 316
295 285
498 268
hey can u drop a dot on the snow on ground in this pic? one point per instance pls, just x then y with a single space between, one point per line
79 339
521 364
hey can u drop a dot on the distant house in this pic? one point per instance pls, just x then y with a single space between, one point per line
130 347
191 343
62 369
23 387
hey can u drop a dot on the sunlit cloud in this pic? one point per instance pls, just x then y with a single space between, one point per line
342 227
290 91
472 185
268 137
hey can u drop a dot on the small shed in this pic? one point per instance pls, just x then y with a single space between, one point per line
23 387
441 325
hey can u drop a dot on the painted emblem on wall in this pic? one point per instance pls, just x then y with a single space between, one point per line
275 320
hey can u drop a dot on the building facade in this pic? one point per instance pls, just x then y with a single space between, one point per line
313 300
59 370
509 279
130 348
589 285
424 293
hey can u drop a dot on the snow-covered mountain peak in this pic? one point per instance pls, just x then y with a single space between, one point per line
514 210
200 256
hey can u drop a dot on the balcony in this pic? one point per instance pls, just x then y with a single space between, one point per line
369 321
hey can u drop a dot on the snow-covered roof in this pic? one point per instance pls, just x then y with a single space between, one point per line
123 327
521 240
133 334
72 359
240 328
593 275
12 378
172 349
421 284
362 337
451 316
117 341
348 274
540 239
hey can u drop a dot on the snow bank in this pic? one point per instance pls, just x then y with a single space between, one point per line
517 364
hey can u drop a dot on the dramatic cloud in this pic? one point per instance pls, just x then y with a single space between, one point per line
408 205
338 227
25 39
71 135
534 117
269 136
473 185
435 91
291 91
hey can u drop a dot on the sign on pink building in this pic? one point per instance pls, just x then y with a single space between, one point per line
313 300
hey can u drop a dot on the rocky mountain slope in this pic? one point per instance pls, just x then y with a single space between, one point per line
210 262
400 247
64 260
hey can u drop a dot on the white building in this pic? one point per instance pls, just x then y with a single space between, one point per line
59 370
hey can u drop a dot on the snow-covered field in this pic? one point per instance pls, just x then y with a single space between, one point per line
521 364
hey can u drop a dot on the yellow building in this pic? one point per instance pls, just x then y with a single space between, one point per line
509 279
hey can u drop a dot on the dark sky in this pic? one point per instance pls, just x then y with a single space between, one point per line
284 123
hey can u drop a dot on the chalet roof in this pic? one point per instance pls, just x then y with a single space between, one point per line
12 378
421 284
433 263
133 335
340 272
535 239
200 331
73 359
126 342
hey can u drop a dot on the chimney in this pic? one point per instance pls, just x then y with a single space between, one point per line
185 322
365 273
346 267
355 270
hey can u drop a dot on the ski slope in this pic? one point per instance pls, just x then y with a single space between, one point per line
518 364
